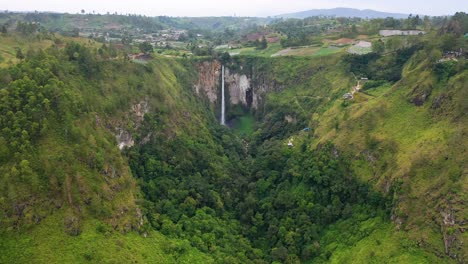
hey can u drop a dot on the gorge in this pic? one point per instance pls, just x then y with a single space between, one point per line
118 160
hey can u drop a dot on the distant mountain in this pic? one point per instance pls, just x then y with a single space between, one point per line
343 12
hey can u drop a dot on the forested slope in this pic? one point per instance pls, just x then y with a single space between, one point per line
402 135
380 178
67 193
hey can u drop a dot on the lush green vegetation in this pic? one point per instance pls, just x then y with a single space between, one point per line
59 163
245 124
267 52
284 204
97 243
312 178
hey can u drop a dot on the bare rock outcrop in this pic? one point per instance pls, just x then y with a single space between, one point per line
208 82
245 89
136 116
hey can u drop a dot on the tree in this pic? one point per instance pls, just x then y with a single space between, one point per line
264 43
462 19
416 21
394 43
279 254
378 46
427 23
82 11
145 47
389 22
257 43
225 57
75 32
4 29
408 21
127 40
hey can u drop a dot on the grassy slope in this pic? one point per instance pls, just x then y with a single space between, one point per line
413 151
61 159
10 42
378 243
270 50
406 145
275 49
68 22
48 243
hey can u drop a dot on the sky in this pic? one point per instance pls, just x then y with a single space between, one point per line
233 7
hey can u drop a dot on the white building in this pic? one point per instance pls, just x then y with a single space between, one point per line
388 33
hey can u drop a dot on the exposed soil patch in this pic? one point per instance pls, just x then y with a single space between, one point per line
344 41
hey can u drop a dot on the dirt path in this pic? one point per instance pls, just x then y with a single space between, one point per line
313 97
282 52
297 102
356 88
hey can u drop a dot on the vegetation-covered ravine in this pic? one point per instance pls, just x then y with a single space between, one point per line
340 158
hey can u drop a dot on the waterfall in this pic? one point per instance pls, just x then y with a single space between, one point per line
223 103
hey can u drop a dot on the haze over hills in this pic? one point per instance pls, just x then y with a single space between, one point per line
262 8
343 12
137 139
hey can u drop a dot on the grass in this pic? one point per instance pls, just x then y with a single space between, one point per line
310 51
381 244
390 140
406 143
275 49
270 50
9 44
245 124
298 51
48 243
327 51
378 91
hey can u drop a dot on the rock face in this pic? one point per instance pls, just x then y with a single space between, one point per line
208 82
124 139
238 86
139 110
419 95
137 113
248 90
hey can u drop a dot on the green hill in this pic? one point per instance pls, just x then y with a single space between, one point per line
66 188
105 159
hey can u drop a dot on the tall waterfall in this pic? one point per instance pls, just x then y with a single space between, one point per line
223 103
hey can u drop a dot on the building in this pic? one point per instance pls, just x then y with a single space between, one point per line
391 32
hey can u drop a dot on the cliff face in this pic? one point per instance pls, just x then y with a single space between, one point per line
135 117
209 73
247 89
239 86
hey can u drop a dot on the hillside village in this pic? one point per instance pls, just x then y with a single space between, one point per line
283 37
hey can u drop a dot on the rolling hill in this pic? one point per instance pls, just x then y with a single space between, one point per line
343 12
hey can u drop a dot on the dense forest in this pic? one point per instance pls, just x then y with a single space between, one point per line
377 179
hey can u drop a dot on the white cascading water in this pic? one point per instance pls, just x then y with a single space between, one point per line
223 104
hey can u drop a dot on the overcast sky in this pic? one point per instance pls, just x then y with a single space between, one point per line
233 7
